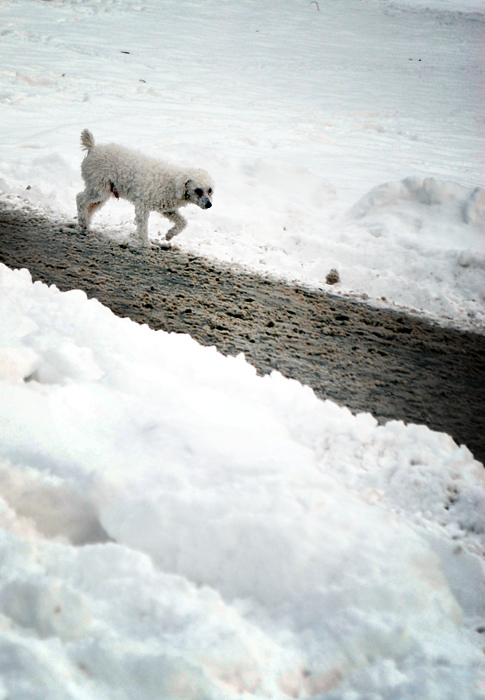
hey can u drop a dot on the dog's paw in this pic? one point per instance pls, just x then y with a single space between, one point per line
81 229
164 245
133 242
72 229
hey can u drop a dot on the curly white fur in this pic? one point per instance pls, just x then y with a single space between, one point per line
151 185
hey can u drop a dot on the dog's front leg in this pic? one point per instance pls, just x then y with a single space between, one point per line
179 223
141 220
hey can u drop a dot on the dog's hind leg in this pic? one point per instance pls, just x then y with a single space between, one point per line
87 204
82 211
179 223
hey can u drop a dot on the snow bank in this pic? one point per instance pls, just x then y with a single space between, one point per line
435 233
175 526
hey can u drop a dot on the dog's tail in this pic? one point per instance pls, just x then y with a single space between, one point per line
87 140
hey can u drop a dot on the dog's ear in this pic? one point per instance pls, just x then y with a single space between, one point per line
181 186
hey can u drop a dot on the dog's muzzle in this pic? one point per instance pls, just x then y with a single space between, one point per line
208 205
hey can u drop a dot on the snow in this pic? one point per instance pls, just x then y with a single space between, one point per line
175 526
297 109
171 524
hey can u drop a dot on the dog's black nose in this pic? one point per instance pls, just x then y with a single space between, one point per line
208 205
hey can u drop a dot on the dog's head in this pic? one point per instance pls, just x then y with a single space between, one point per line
199 189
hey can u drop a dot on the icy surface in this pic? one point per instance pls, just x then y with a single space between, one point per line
298 109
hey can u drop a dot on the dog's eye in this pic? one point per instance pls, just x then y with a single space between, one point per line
209 191
198 192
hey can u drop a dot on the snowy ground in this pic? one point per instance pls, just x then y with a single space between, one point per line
299 111
268 544
172 525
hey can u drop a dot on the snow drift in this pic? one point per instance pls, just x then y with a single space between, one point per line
174 524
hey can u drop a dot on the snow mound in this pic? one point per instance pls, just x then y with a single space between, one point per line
423 242
238 534
467 205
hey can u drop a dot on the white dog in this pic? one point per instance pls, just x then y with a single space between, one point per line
149 184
